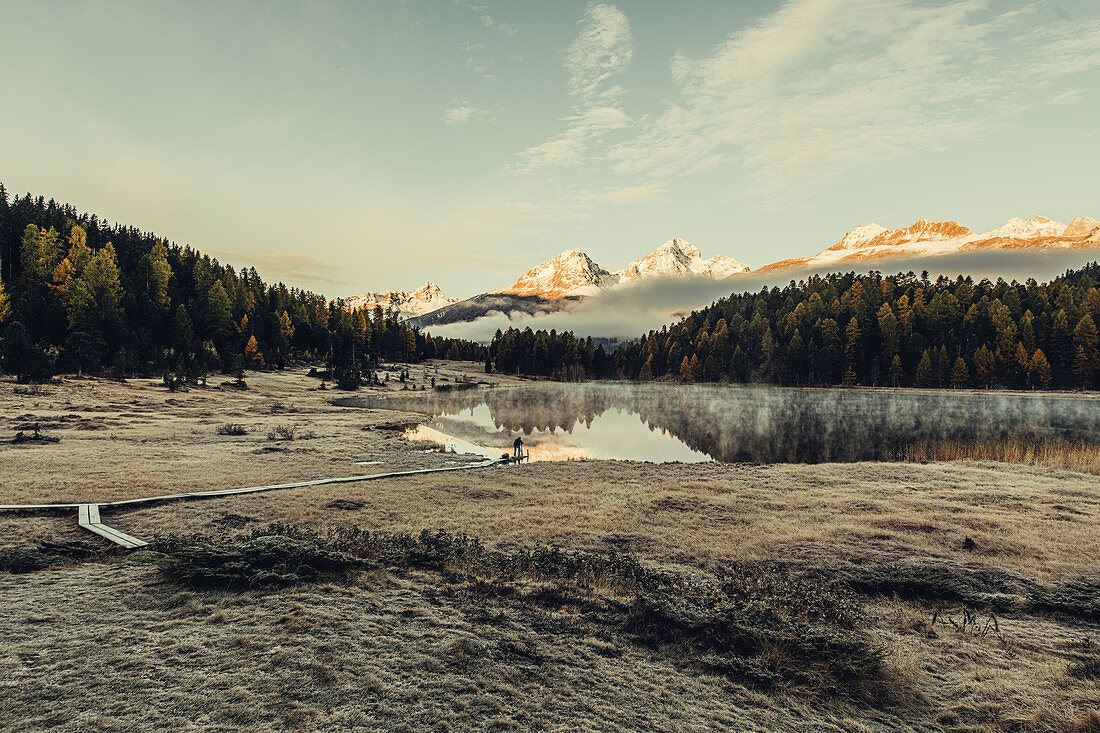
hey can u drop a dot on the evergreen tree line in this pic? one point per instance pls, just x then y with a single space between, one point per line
562 357
848 329
79 294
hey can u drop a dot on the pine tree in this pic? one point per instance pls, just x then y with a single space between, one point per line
22 357
217 317
960 375
155 273
253 357
39 254
1019 366
183 331
92 308
852 334
5 305
897 371
1039 370
685 371
1085 338
70 268
1082 369
925 377
985 365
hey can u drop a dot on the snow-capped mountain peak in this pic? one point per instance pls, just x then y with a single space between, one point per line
1036 226
570 273
859 236
679 257
1082 226
428 297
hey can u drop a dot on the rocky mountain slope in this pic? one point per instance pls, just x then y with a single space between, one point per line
409 303
573 275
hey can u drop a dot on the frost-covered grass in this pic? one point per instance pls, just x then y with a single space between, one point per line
972 583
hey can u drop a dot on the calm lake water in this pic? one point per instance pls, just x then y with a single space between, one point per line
664 422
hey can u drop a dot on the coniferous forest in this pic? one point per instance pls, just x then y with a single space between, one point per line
901 330
80 295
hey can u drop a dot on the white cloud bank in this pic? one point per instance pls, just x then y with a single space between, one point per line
628 311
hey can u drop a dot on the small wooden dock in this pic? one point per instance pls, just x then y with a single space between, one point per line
512 458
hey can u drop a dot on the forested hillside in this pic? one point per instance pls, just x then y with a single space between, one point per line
79 294
901 330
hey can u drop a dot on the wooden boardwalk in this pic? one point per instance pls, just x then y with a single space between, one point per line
88 514
88 518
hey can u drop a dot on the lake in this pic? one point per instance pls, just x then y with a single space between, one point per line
688 423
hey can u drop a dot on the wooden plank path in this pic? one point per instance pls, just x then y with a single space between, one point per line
88 518
88 514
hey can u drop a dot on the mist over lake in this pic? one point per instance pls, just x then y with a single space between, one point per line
659 422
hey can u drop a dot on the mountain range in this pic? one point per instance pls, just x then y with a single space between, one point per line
409 303
573 275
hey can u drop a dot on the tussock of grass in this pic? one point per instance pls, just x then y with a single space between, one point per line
1088 669
1072 455
42 555
263 561
1079 597
979 587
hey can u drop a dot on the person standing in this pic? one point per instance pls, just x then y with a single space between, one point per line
517 447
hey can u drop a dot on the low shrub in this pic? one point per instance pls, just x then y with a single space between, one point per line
460 387
981 587
266 561
43 555
231 428
282 432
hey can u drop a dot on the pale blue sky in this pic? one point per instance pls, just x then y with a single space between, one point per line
351 146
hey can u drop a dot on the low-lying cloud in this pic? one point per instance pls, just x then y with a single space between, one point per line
628 311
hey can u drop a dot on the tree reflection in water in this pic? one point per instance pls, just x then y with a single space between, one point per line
739 423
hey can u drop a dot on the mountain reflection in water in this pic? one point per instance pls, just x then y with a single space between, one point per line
664 422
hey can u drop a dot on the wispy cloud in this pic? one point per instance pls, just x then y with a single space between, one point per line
602 50
477 60
568 148
626 195
487 19
464 112
822 87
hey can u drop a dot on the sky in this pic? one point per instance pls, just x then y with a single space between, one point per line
376 144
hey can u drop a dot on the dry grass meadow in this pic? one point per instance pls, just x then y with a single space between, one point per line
959 590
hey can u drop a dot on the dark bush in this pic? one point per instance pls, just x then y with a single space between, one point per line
981 587
43 555
264 561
